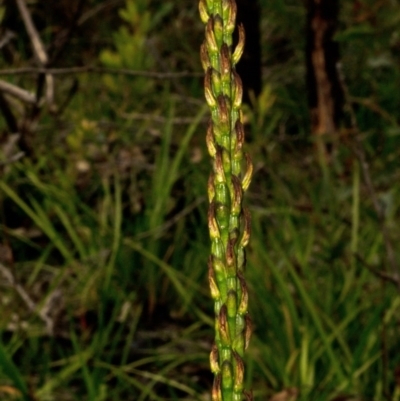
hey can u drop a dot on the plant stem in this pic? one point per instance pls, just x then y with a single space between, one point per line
229 222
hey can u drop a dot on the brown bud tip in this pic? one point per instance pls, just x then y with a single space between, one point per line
211 42
215 294
214 359
203 11
247 228
205 60
225 60
237 54
216 390
237 195
208 91
231 20
248 331
244 300
248 174
223 325
212 222
223 110
210 140
238 90
239 372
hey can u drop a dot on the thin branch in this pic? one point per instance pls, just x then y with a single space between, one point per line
12 159
38 48
37 44
99 70
17 92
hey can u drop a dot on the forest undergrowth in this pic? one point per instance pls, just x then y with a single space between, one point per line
103 227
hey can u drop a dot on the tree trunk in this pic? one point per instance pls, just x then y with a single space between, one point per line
325 94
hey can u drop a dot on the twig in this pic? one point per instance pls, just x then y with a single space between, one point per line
33 33
17 92
12 159
38 48
99 70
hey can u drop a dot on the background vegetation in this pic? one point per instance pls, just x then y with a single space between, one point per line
103 230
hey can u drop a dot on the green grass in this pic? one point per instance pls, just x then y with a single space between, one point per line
114 255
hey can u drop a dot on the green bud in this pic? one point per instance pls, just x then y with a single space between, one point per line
216 82
231 303
227 376
218 30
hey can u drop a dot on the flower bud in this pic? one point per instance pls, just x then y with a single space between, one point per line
208 91
214 359
211 42
205 60
247 227
203 11
215 294
237 54
238 90
231 20
223 326
248 174
238 372
212 222
216 389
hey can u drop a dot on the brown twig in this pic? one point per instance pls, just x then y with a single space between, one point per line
38 48
99 70
16 91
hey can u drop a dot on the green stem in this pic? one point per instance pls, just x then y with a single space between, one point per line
229 222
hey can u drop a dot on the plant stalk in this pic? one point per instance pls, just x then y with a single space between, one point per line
228 220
